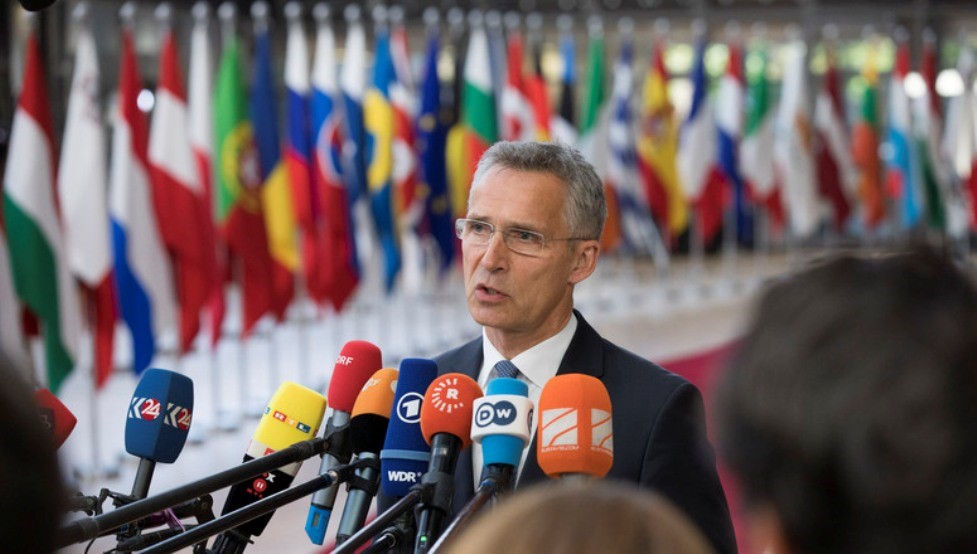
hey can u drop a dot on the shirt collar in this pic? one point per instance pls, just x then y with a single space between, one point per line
541 362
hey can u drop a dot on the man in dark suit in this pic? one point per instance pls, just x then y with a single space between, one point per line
535 216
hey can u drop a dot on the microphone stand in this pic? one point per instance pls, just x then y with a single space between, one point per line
89 528
391 538
252 511
401 507
497 479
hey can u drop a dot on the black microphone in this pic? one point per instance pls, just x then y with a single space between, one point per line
446 422
36 5
293 414
367 430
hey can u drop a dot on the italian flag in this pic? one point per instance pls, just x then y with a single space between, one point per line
31 213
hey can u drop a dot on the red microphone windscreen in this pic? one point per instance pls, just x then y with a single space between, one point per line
575 428
357 362
55 416
448 406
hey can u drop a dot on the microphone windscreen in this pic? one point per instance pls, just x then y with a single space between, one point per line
356 363
448 405
371 413
575 428
293 415
36 5
406 455
159 416
55 416
501 421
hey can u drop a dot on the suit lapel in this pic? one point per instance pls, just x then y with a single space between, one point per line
584 355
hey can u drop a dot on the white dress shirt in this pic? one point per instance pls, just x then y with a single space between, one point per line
536 366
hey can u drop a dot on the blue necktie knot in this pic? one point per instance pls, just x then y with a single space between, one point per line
505 368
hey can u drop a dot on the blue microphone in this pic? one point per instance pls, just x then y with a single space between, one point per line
406 455
158 422
501 422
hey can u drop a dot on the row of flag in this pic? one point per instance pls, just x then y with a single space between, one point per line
375 164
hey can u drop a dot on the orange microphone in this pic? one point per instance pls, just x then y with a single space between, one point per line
367 430
446 423
575 432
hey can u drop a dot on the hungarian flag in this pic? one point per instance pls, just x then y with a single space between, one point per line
378 119
200 104
517 113
40 272
756 151
698 163
902 176
431 142
564 122
276 194
336 240
240 218
730 101
181 203
836 170
83 188
865 150
794 151
142 267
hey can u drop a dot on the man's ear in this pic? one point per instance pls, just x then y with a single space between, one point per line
584 260
767 533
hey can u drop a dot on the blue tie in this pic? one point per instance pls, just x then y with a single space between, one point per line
505 368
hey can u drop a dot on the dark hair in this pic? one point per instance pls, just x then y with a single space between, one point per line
583 517
585 208
850 404
31 490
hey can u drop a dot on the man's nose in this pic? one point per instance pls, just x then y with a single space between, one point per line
495 251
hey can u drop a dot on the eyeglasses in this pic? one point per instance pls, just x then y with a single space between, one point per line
520 241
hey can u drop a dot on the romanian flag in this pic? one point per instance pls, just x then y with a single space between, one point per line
276 193
536 91
239 213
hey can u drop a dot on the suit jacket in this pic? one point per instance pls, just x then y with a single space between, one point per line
659 430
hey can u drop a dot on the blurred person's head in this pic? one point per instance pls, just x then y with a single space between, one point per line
848 409
31 490
583 517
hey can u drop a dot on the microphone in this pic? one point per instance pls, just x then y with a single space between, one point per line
446 421
357 361
55 416
158 422
576 435
406 455
293 415
501 424
367 428
36 5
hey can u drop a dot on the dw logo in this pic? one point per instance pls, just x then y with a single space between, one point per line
502 412
409 407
